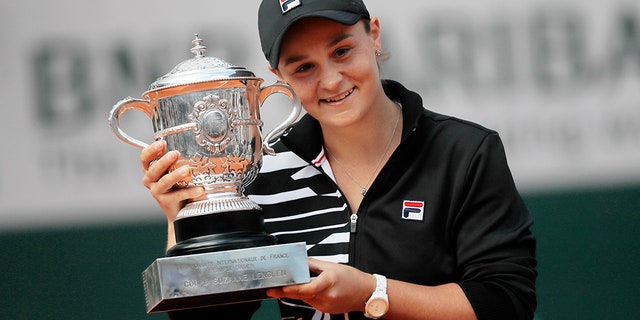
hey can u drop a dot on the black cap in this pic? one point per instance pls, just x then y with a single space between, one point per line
276 16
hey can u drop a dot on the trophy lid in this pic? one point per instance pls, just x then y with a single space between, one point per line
200 69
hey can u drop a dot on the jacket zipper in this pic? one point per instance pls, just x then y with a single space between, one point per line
353 221
353 225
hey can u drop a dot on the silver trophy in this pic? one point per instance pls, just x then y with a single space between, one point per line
209 110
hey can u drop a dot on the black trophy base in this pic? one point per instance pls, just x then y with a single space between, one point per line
220 231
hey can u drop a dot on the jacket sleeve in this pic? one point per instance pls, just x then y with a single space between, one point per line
495 247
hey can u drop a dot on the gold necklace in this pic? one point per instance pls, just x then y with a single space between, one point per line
363 188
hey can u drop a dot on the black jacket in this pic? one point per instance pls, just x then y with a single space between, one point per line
443 209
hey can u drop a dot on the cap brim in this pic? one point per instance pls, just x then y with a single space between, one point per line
344 17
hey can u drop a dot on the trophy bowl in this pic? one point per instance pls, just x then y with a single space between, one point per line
209 111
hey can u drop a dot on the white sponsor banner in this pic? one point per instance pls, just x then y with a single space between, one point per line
559 80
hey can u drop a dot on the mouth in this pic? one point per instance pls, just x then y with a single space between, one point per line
339 97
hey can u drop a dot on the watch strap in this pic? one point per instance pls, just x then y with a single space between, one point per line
381 282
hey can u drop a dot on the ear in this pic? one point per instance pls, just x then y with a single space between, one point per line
376 36
274 71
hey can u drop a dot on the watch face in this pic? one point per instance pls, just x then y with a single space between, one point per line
377 307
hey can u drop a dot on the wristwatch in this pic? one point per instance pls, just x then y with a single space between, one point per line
378 303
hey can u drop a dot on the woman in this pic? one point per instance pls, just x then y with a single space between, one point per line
376 184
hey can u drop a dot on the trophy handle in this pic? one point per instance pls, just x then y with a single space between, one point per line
279 87
123 106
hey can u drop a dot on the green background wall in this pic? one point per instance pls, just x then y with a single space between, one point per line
587 249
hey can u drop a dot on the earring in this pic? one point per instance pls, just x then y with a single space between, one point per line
378 52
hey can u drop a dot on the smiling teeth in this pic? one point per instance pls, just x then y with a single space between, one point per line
340 98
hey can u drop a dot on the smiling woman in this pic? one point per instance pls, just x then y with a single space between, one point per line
331 65
428 191
571 132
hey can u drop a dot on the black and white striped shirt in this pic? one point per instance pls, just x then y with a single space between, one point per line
295 210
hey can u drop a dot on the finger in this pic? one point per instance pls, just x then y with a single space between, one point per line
166 181
161 166
174 199
153 151
297 292
306 290
316 266
275 293
178 196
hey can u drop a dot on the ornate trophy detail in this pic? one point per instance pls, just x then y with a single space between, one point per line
209 110
213 123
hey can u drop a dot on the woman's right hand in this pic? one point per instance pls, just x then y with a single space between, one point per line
160 182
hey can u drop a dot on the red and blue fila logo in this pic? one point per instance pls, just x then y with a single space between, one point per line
413 210
287 5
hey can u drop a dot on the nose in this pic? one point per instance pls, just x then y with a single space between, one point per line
330 77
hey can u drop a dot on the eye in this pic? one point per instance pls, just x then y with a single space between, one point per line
341 52
304 68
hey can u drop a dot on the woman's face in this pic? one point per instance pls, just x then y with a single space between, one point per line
333 69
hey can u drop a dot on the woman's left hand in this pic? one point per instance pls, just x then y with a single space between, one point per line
337 288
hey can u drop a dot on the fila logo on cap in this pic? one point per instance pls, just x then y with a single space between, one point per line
287 5
413 210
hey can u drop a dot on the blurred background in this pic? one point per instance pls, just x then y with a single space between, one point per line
560 81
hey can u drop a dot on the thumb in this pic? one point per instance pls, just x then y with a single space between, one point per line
317 266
